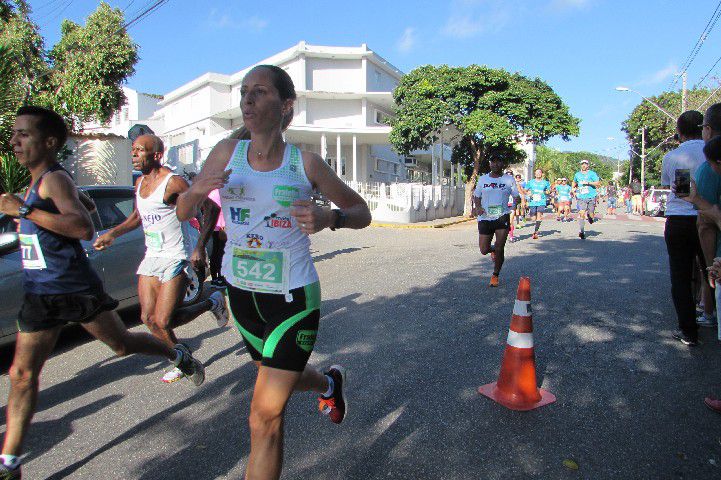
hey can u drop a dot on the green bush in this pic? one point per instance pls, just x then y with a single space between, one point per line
14 177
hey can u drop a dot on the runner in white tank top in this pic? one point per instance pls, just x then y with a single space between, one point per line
162 275
270 185
165 235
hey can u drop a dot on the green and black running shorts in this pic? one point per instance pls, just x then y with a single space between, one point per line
279 330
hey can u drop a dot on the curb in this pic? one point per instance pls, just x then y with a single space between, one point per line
406 226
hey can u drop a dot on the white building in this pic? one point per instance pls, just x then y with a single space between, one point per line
344 101
137 109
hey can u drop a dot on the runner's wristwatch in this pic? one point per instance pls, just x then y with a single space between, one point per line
24 210
340 219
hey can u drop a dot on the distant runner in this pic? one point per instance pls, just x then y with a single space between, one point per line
490 204
584 187
537 189
564 200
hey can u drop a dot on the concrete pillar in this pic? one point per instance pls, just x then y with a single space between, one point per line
355 158
323 146
453 183
338 169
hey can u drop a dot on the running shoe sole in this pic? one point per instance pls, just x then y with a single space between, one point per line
344 381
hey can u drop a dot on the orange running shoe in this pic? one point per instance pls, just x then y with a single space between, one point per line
494 281
535 235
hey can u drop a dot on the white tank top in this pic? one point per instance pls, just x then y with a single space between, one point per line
266 251
165 235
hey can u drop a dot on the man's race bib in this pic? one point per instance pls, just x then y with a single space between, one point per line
154 240
584 190
261 270
31 253
536 197
495 209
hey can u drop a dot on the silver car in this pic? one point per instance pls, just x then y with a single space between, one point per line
116 265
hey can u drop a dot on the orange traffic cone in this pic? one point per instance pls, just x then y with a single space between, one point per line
516 387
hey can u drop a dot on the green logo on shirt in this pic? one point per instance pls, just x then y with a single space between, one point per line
285 194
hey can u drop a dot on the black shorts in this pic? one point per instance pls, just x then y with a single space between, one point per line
488 227
43 312
277 332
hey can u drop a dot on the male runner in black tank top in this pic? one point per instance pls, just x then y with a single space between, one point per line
38 134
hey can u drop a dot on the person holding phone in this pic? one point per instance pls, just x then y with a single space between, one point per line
681 234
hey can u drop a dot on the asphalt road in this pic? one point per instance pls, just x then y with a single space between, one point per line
409 313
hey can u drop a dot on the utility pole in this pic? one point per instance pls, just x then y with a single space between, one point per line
643 159
683 92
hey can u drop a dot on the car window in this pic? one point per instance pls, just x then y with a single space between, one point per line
7 225
113 210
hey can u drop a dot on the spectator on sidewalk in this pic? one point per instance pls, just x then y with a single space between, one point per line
681 235
636 200
611 191
627 199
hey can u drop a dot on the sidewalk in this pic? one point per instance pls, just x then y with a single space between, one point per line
445 222
437 223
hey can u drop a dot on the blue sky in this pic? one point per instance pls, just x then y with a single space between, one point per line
582 48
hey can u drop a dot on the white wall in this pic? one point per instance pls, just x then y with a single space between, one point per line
334 75
104 161
379 80
334 113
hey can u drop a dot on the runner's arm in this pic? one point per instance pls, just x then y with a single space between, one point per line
212 176
323 178
129 224
210 213
87 202
72 219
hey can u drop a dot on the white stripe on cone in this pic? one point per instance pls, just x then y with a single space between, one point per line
522 308
520 340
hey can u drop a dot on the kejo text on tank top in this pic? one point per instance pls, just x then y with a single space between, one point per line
266 251
165 235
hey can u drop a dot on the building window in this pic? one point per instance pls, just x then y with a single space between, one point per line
384 166
381 118
126 113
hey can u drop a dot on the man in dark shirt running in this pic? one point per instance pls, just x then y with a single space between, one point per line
60 286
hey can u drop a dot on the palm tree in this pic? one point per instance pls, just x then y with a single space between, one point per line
13 176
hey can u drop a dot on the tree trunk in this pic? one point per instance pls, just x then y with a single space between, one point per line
471 183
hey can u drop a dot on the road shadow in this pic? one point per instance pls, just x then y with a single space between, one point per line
629 397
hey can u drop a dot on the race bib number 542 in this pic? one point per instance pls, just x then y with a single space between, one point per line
261 270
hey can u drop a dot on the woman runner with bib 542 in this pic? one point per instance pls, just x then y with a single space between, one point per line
273 290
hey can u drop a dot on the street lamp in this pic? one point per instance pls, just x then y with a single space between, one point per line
626 89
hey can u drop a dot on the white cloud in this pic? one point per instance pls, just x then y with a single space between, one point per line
569 4
659 76
469 18
407 41
216 20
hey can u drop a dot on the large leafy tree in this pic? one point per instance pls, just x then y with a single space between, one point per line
558 164
491 109
660 128
80 77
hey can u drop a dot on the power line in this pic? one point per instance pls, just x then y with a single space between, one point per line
699 43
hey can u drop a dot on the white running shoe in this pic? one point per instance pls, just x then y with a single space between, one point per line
173 375
219 310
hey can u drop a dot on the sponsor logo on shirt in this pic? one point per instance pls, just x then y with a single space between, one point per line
276 221
236 192
240 216
285 194
253 240
150 218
